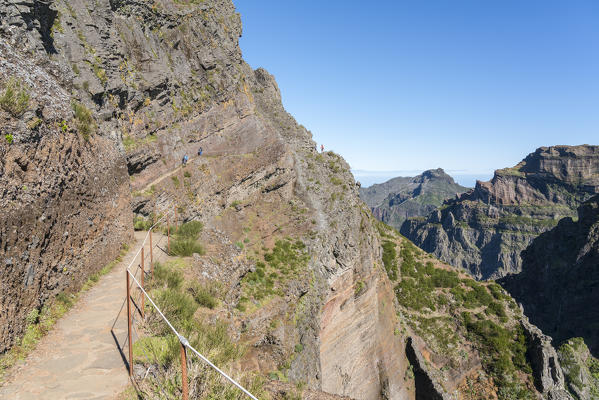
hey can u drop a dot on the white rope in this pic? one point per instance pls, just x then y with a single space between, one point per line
186 344
154 304
182 338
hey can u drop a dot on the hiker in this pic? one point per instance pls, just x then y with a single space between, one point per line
322 148
185 158
200 151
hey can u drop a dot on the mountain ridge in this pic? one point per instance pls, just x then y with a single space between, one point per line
397 199
485 229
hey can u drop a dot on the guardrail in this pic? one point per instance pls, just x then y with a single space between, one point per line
183 342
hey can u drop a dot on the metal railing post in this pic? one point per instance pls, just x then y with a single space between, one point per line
175 207
168 235
143 286
184 373
151 256
129 326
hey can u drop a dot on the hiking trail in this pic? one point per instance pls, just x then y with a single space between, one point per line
79 358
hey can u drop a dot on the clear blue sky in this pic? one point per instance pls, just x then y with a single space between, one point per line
468 85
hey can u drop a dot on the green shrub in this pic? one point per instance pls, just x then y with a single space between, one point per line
179 307
204 295
185 247
389 256
9 138
163 350
84 120
359 288
15 99
442 278
166 275
287 259
142 224
190 230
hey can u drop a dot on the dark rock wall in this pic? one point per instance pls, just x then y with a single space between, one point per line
559 282
64 199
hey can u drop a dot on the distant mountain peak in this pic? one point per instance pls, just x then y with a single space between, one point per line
399 198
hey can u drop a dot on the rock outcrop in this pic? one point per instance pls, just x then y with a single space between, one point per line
580 368
559 278
403 197
485 229
65 199
547 372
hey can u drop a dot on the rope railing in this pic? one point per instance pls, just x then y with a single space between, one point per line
134 281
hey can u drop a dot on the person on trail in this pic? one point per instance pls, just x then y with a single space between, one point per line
322 148
200 151
185 158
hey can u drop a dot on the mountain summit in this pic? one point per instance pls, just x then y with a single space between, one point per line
400 198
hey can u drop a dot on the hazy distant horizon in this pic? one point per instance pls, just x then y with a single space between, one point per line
464 178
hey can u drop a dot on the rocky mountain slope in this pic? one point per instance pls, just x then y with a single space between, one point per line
560 276
65 199
400 198
294 281
485 229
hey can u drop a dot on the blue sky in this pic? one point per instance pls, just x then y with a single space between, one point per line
468 85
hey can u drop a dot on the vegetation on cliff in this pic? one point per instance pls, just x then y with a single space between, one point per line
485 229
461 321
559 277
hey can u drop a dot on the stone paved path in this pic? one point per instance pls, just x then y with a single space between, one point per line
79 358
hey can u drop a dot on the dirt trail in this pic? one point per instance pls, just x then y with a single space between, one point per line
79 358
169 173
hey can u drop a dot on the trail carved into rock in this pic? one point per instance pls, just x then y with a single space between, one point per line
80 358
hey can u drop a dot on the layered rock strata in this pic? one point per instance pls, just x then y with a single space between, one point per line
485 229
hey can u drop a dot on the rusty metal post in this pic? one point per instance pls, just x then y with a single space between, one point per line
143 275
184 373
129 326
168 235
151 256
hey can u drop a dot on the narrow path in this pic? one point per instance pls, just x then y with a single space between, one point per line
169 173
80 358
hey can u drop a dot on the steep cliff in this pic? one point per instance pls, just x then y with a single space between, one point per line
155 81
308 288
485 229
65 199
400 198
559 278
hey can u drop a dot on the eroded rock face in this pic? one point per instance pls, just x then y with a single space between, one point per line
163 79
65 200
544 361
560 273
485 229
426 386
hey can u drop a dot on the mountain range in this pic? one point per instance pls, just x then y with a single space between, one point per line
403 197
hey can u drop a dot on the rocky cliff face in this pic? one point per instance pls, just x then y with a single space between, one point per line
65 200
306 278
485 229
400 198
161 80
559 278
